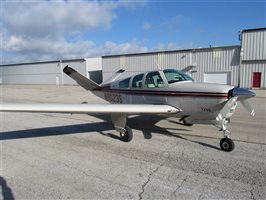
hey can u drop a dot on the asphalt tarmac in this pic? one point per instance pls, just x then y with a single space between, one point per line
63 156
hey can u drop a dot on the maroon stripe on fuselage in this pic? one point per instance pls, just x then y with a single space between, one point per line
164 93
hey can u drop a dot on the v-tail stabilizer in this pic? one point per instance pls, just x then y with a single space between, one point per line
84 82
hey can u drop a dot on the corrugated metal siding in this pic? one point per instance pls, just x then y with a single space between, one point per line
254 45
48 73
208 60
246 74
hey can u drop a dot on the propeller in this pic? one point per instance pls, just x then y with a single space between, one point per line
248 107
226 109
243 95
237 94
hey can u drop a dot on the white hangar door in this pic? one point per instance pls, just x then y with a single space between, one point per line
220 78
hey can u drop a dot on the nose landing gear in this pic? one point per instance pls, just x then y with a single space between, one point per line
226 143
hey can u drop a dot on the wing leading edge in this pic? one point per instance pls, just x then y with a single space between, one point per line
89 108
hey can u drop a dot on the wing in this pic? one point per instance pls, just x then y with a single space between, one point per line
89 108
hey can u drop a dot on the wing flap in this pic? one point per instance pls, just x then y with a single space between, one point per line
89 108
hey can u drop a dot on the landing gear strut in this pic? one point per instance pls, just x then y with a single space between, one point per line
226 143
119 121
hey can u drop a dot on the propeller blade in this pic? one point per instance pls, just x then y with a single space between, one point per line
226 109
248 107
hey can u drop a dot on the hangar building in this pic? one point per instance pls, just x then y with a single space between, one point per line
243 65
50 72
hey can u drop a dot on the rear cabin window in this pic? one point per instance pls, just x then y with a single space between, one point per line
174 76
137 81
124 83
154 80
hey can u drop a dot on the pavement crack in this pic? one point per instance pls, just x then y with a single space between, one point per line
179 186
93 176
147 181
166 151
252 193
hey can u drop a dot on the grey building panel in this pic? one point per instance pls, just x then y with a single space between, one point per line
48 68
46 73
113 62
254 45
253 56
51 79
246 74
224 59
79 65
50 72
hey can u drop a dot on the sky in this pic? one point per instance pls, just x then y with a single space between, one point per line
44 30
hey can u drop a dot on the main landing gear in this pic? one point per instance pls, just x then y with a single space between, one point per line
186 121
119 121
226 143
127 135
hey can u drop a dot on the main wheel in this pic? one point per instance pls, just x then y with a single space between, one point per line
127 135
227 144
187 123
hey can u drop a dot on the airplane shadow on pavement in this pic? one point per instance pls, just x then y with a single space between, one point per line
142 122
146 124
6 190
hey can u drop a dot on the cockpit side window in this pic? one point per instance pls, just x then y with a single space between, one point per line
137 81
124 83
173 76
154 80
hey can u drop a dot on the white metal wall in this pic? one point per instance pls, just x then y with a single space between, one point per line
253 45
253 57
50 72
79 66
45 73
246 74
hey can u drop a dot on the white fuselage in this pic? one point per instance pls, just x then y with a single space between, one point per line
199 101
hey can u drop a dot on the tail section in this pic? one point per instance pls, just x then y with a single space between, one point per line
84 82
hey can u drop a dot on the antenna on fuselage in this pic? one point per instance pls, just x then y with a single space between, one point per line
158 66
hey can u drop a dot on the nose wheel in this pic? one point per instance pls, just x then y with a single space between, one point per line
227 144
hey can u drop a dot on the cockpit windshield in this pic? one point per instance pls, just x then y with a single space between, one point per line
174 76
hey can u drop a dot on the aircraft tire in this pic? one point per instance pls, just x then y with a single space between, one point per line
227 144
127 136
186 123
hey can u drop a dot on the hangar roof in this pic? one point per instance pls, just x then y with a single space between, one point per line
173 51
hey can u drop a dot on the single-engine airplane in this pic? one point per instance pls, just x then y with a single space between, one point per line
166 92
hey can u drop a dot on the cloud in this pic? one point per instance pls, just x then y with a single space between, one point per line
172 46
41 30
146 26
111 48
50 18
172 24
35 50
